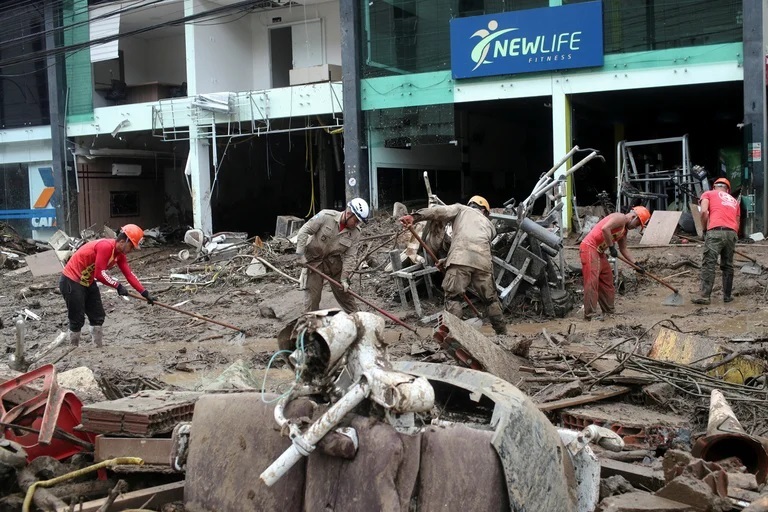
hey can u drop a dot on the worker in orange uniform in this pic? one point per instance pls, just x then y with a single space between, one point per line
89 264
469 260
607 234
720 217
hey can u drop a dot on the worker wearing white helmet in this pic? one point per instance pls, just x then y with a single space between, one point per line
332 248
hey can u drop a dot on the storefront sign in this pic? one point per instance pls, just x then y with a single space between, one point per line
42 196
566 37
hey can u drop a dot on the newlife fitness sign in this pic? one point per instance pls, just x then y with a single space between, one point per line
566 37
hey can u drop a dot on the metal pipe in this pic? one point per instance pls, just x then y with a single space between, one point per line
303 445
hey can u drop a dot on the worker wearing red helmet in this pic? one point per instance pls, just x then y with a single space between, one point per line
89 264
607 235
720 217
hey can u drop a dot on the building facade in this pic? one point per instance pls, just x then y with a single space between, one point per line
188 112
485 95
223 113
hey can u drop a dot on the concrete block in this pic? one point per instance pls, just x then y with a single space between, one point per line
315 74
695 493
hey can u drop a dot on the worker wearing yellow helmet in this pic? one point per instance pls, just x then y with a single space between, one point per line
720 216
469 259
606 236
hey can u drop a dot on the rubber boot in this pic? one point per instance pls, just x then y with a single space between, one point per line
499 327
97 335
704 291
727 287
74 338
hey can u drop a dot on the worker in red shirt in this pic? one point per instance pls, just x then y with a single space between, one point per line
89 264
720 217
596 271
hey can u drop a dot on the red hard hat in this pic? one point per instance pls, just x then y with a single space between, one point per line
723 180
134 234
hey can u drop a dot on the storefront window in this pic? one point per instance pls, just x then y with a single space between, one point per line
412 36
632 26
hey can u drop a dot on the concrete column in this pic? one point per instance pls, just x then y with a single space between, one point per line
198 169
562 143
56 84
755 27
356 173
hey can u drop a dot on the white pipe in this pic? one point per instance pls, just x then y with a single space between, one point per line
303 445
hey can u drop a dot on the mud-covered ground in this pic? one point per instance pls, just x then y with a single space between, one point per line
155 342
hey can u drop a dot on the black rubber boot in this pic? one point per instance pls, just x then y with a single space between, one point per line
727 287
499 327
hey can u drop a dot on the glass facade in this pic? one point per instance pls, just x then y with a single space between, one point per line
412 36
23 83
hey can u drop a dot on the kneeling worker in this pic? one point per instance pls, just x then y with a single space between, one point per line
607 234
332 250
469 259
89 264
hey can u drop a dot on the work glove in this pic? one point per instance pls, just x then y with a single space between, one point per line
640 270
613 251
150 299
121 290
303 279
345 285
406 220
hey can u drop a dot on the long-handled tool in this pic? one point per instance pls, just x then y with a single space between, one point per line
673 300
361 299
434 258
753 267
199 317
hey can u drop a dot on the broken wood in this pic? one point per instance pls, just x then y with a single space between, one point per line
116 491
158 495
641 477
595 396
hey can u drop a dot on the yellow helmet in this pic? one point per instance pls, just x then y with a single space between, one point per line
480 200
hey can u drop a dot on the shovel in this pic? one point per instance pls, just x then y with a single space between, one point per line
753 267
672 300
241 332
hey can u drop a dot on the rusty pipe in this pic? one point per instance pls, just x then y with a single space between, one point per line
435 259
727 438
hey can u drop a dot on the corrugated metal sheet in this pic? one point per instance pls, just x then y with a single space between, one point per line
103 27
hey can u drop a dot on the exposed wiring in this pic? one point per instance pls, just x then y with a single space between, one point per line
297 374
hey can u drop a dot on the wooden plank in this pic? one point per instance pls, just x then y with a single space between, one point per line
155 451
696 214
160 495
583 399
641 477
660 228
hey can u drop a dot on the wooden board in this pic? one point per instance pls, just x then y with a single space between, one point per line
660 228
696 214
44 263
597 395
150 497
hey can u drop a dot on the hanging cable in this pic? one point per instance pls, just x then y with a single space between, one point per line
309 158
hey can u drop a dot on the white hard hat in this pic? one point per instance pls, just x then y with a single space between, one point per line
360 208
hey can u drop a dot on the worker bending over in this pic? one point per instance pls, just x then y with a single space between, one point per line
720 217
332 248
607 234
469 260
90 264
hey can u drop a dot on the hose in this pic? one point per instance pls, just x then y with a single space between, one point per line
74 474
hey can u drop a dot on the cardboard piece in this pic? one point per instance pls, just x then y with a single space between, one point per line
44 263
696 214
660 228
